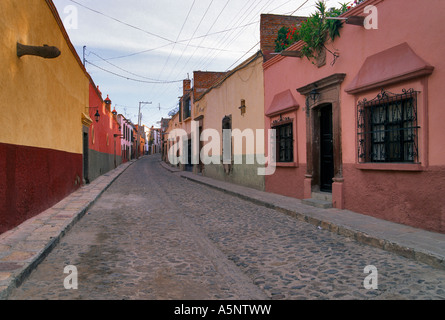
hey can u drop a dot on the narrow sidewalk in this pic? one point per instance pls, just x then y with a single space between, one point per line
24 247
416 244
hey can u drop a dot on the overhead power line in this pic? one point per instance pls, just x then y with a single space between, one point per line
180 42
132 79
122 69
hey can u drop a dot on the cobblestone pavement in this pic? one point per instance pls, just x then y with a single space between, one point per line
155 236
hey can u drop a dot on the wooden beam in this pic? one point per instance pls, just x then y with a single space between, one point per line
356 21
296 54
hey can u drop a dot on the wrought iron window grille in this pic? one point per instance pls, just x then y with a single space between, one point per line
285 142
387 128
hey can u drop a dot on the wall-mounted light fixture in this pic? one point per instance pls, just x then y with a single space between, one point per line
314 94
44 51
97 115
243 107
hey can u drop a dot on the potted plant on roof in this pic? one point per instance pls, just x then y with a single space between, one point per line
315 32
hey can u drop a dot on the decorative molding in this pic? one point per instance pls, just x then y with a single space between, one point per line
323 84
394 65
282 103
86 120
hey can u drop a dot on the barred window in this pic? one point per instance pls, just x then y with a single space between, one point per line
285 143
387 128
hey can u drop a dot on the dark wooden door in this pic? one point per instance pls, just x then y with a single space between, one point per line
326 150
189 165
85 157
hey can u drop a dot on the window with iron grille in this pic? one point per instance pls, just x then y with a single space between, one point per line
285 143
387 128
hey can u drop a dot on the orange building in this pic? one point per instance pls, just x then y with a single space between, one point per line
45 113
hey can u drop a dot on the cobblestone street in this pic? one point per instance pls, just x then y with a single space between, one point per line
156 236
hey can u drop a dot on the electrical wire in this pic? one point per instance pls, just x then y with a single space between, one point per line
132 79
229 35
216 20
132 26
177 38
134 74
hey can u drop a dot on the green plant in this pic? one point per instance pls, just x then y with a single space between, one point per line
315 31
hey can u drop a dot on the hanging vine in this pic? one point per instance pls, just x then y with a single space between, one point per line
315 32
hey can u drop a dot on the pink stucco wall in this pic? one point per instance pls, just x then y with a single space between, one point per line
412 196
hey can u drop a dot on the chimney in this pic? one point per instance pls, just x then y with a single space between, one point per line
186 86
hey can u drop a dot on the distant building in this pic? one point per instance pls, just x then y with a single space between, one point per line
104 137
127 128
154 140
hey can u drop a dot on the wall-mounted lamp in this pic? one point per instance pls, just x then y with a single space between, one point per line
97 115
243 107
44 51
314 94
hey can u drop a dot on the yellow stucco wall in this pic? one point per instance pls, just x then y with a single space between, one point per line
225 99
41 100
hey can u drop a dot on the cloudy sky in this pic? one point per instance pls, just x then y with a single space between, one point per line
141 50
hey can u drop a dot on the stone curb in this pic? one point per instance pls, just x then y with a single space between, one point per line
57 227
411 252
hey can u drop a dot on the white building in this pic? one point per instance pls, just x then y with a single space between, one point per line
154 138
127 131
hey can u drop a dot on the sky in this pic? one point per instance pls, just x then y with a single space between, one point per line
141 50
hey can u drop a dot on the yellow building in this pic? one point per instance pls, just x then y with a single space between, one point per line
236 103
231 100
44 111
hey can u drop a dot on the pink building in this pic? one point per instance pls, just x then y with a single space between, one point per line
366 133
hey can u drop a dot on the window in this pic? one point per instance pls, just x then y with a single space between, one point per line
285 143
227 140
387 128
187 109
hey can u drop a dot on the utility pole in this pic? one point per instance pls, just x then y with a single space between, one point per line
139 127
84 47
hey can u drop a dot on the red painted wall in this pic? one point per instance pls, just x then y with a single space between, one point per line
280 183
106 127
410 198
33 180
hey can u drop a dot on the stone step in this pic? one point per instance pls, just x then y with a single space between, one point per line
324 196
317 203
320 200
